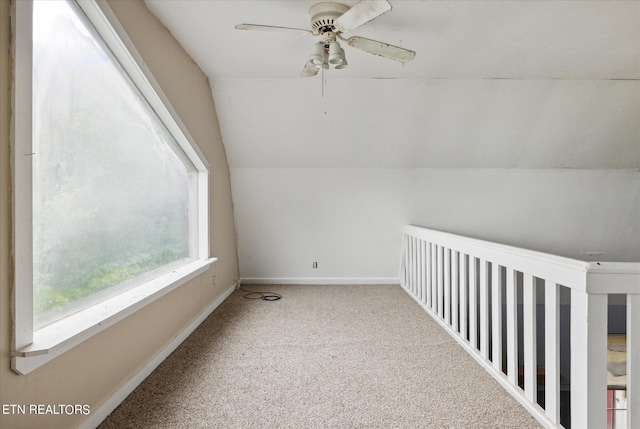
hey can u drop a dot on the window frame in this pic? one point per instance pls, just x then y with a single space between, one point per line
33 348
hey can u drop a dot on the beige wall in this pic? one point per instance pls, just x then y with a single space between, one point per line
91 372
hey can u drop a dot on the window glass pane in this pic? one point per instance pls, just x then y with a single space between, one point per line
112 193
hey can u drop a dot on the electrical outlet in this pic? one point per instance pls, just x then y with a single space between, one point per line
315 265
214 280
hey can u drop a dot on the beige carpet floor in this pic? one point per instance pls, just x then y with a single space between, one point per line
352 356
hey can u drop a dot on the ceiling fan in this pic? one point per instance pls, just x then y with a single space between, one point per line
329 20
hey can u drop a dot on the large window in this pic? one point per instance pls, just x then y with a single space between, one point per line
116 204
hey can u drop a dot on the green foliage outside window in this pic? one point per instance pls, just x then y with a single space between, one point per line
111 198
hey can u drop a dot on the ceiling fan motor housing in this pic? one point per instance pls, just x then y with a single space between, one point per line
323 15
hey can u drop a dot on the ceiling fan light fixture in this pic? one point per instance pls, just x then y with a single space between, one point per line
342 57
336 53
342 65
318 54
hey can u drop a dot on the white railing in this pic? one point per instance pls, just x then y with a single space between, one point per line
486 296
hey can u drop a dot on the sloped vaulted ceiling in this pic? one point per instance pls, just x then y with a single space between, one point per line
517 122
495 84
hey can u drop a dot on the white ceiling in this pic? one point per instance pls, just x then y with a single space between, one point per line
495 84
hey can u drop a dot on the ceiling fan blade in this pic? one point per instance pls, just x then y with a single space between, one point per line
309 69
382 49
361 13
272 28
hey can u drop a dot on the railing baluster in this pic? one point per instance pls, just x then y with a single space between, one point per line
463 295
496 316
529 337
552 351
633 361
473 303
439 257
410 261
512 328
588 359
425 270
403 261
434 276
420 269
455 288
429 275
484 309
447 285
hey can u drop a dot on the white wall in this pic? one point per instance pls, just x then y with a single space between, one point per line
437 123
350 220
550 164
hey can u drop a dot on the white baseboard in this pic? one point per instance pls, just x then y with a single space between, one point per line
95 418
320 281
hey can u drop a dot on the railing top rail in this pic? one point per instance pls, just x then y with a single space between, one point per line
614 277
565 271
614 267
511 250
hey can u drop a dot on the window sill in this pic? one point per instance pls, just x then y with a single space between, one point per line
55 339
